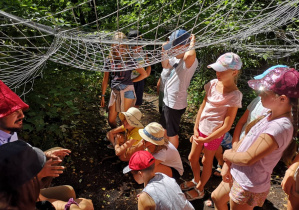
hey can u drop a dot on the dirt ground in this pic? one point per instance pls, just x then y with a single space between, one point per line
95 172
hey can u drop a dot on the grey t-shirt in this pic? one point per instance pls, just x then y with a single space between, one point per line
166 193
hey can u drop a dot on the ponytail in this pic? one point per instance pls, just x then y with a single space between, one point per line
292 149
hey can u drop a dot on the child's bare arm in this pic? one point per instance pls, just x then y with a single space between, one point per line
239 126
121 149
195 129
190 55
112 134
226 126
263 146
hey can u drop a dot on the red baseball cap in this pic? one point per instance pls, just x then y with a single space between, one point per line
139 160
9 101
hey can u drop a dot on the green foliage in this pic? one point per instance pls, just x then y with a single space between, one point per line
56 104
59 98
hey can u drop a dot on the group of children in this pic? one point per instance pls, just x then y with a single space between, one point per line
265 131
264 134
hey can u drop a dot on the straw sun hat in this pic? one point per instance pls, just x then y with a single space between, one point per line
154 133
133 117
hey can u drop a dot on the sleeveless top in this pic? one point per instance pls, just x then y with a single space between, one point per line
166 193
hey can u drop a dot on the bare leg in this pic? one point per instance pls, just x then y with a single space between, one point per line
174 140
293 203
63 192
128 102
194 160
220 196
207 163
112 114
235 206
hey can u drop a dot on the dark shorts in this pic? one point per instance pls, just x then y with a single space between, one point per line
170 120
175 173
139 89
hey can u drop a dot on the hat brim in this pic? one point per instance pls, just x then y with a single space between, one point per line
217 67
168 46
261 76
40 157
136 123
146 138
126 169
267 81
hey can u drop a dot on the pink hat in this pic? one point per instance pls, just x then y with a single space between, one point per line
9 101
283 81
227 61
139 160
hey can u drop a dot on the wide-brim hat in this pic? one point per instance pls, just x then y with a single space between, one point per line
9 101
227 61
154 133
281 80
133 117
19 163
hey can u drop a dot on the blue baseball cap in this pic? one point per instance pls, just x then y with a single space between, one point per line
179 37
261 76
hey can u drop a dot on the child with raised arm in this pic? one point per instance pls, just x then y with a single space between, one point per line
214 118
252 160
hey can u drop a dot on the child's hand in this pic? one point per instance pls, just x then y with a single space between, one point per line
226 154
119 138
192 42
191 139
225 173
196 133
198 140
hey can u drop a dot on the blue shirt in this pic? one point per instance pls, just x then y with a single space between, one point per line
7 137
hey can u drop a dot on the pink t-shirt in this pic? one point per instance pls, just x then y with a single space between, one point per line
214 112
256 178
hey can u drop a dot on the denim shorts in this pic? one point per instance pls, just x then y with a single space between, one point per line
129 94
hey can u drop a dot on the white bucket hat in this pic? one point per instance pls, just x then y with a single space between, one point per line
154 133
133 117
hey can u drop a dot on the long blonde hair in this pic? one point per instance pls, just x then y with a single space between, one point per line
119 36
160 147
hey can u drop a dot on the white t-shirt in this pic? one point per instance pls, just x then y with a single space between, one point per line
163 78
175 91
171 158
256 177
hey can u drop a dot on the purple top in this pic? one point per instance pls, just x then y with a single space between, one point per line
256 178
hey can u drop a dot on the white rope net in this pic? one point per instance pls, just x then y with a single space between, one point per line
271 30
